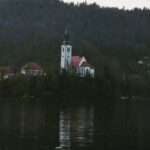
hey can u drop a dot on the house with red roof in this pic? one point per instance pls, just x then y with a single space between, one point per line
33 69
6 72
76 64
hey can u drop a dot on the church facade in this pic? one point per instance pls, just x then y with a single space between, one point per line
76 64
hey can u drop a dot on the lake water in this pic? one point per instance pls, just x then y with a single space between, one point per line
46 125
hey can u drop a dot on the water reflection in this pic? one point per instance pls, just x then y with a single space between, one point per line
64 130
76 127
28 126
43 125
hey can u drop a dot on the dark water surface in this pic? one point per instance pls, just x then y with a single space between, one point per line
44 125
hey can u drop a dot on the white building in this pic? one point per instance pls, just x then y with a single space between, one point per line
66 53
33 69
6 72
76 64
81 67
140 62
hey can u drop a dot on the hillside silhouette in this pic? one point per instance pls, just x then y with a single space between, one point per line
32 30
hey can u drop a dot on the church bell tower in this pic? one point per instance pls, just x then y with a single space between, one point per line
66 53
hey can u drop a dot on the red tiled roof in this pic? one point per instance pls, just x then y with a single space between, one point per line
75 60
6 69
32 66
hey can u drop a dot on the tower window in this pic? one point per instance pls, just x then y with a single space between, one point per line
68 49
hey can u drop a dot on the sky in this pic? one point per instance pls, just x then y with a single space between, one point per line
128 4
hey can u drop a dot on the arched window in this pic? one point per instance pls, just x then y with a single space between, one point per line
68 49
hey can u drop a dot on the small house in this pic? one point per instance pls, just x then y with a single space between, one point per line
6 72
33 69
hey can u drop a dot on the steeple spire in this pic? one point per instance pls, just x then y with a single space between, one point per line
66 32
66 37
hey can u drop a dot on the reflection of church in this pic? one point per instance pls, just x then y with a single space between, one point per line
77 64
76 128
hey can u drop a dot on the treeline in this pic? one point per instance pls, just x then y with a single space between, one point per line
60 85
54 84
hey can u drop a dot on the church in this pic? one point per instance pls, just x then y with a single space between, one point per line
75 64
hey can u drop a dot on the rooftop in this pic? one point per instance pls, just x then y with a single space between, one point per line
75 60
86 64
6 69
32 66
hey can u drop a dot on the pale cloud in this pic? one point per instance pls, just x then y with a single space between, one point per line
128 4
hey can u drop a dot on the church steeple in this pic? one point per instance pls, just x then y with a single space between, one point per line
66 37
66 53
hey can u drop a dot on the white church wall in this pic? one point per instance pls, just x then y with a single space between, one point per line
92 72
83 71
62 57
69 54
66 56
87 71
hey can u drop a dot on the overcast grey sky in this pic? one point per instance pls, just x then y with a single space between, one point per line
129 4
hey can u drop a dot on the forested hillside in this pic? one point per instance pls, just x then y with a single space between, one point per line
32 30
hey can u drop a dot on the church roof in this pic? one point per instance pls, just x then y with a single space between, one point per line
86 64
32 66
75 60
